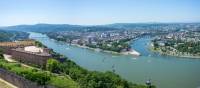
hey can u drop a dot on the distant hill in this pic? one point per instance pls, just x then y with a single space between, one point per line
43 27
116 26
56 27
5 36
147 26
12 35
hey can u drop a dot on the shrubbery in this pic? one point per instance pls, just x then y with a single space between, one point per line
39 76
1 53
90 79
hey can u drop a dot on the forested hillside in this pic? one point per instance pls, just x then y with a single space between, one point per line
12 35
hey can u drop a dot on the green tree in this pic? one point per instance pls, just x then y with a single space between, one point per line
1 53
53 65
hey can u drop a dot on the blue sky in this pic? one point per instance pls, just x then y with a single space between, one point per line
90 12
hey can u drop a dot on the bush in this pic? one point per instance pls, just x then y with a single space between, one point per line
52 65
1 53
63 82
39 76
94 79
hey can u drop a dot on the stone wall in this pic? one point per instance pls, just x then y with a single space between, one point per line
29 58
6 50
19 81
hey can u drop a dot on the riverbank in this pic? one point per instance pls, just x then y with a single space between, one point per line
158 50
131 52
135 70
116 49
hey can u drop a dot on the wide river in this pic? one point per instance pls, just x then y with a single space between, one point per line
164 71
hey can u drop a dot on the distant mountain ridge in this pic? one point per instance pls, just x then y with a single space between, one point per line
42 27
56 27
115 26
151 25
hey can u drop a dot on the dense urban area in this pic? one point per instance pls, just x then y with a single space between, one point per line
179 39
184 43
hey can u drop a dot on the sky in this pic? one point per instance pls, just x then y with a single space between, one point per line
96 12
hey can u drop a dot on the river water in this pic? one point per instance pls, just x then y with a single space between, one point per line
164 71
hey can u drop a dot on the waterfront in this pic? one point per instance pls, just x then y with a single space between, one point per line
164 71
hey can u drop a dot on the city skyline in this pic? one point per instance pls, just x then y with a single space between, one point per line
90 12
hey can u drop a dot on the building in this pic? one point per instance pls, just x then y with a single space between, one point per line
27 52
31 55
8 46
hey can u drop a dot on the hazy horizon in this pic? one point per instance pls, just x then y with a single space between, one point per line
104 24
99 12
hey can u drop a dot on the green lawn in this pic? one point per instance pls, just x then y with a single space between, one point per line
39 76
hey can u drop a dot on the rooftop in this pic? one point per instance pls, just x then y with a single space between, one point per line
33 49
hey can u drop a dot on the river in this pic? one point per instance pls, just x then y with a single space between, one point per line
164 71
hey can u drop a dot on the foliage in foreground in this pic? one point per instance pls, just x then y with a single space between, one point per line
89 79
39 76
